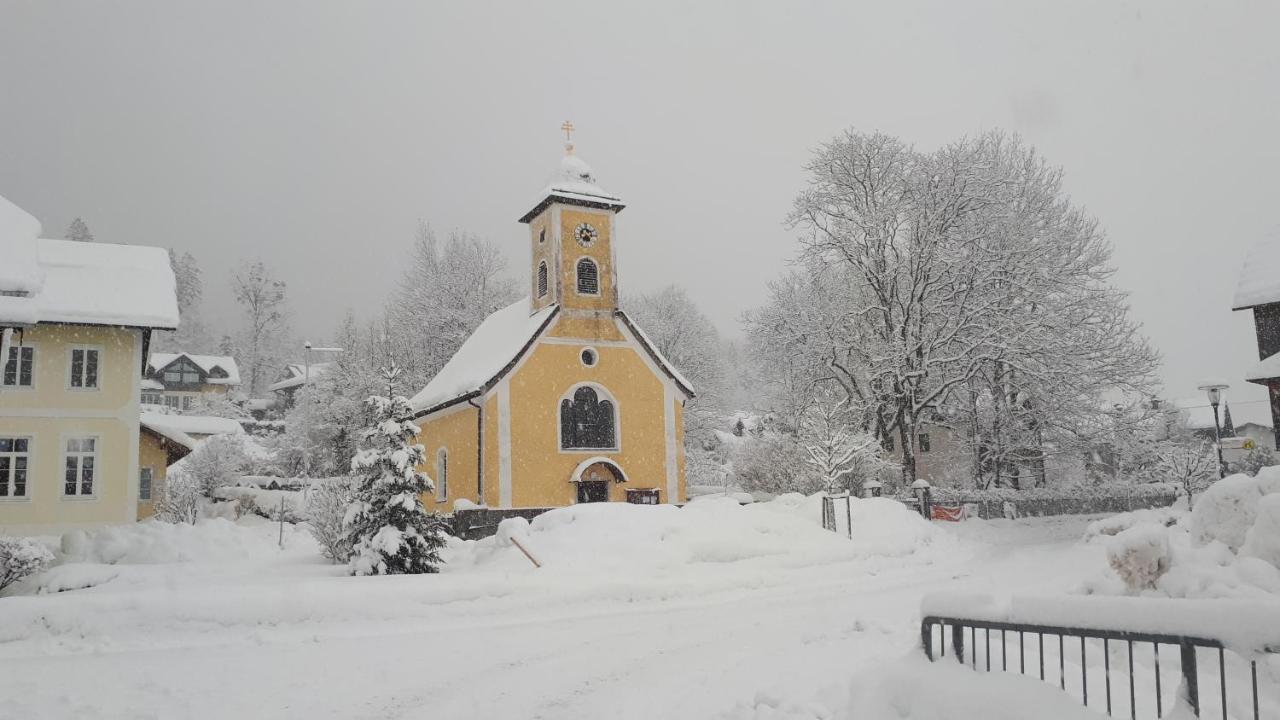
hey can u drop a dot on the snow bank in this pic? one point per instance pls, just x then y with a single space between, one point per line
914 688
147 543
1262 541
1116 524
786 532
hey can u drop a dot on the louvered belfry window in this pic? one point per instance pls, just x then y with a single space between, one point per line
542 278
588 277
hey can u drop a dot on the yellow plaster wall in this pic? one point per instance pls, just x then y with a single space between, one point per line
45 505
151 453
542 251
601 252
587 326
455 430
53 344
541 472
51 412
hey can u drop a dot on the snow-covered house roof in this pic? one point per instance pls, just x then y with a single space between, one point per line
574 184
207 363
1259 282
175 426
86 283
495 347
1265 370
295 375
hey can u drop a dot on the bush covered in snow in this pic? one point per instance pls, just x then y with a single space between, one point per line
325 511
21 558
1224 512
1140 555
776 463
1228 545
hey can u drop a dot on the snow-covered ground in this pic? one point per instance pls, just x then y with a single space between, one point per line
715 610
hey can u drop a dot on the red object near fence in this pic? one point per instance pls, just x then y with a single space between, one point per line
949 513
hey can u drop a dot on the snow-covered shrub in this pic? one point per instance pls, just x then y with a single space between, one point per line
1140 555
20 558
1256 459
1262 541
216 462
391 532
179 498
326 508
776 463
1226 511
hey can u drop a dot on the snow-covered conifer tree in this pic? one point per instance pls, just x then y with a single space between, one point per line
391 532
79 231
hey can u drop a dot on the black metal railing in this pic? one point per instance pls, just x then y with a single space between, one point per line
1020 636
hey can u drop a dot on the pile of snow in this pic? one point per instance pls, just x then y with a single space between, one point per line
914 688
1227 546
148 543
1115 524
664 539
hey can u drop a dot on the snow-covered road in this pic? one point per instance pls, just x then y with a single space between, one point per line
546 653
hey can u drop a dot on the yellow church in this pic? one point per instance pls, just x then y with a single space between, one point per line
558 398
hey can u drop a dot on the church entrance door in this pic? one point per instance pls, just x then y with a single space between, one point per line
590 491
593 481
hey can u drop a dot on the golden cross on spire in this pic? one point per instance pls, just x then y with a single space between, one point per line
567 127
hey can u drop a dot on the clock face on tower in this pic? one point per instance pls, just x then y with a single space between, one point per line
585 235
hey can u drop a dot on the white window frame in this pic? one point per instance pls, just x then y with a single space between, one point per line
71 368
8 480
96 454
442 474
35 354
150 474
577 282
157 394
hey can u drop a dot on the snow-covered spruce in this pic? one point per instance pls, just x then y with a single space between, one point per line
391 532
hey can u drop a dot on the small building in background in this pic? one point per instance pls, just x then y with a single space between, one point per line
180 380
295 377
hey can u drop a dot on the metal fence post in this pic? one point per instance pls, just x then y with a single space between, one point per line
957 642
1190 679
926 638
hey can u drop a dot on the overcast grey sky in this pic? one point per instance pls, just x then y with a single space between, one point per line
313 135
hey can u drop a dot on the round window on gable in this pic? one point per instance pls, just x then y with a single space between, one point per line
589 357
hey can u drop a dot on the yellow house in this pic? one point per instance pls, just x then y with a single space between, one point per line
75 322
558 398
158 448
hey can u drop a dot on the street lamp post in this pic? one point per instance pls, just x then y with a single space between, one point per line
1214 391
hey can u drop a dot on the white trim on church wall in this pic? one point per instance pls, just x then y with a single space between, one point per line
669 420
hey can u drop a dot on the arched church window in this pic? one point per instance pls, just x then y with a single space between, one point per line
588 421
542 278
442 474
588 277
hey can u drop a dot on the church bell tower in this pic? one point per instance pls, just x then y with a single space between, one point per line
571 232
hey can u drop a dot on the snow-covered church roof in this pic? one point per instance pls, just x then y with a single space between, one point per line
77 282
496 346
1259 282
499 340
574 183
